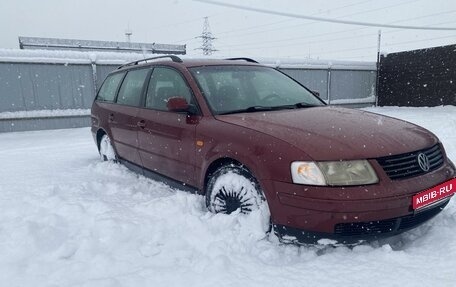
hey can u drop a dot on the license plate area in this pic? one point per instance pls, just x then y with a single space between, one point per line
433 195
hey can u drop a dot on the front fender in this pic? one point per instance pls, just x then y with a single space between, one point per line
267 157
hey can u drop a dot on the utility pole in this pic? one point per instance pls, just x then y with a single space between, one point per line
207 38
128 34
378 66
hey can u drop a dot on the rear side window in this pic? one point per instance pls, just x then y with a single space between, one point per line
108 90
130 91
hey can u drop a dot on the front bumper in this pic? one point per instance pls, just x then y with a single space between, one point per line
355 232
352 213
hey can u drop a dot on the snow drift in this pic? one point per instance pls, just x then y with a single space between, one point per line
67 219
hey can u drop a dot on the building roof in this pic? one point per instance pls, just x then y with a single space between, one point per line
92 45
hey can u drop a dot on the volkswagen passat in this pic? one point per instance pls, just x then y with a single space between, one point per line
243 134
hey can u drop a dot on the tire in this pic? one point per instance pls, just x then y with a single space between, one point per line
231 188
106 150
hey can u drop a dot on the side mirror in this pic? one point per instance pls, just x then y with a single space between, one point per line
178 104
316 93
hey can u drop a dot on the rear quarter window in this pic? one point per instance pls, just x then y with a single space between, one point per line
108 90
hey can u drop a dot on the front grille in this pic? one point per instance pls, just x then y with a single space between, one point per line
365 228
395 225
412 221
406 165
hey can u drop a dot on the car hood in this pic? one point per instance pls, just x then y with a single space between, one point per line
334 133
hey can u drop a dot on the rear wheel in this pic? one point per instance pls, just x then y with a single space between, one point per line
231 188
106 150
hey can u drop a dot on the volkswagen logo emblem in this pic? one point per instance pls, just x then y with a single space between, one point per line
423 161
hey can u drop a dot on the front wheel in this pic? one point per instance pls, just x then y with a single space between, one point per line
107 152
231 188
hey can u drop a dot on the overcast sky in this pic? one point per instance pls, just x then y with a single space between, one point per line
238 32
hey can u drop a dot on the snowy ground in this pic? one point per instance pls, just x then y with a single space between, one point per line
67 219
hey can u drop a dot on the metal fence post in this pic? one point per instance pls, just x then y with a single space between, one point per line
329 84
377 80
94 78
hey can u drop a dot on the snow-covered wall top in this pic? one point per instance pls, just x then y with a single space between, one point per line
76 57
67 57
318 64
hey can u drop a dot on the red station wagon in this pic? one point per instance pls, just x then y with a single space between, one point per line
243 134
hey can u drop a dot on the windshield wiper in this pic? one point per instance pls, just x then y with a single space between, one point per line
253 109
248 110
305 105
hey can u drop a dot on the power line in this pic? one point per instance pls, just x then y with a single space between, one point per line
347 15
421 40
254 45
260 43
425 16
299 43
292 15
349 5
343 50
300 25
288 20
274 29
378 9
371 47
314 36
173 25
341 31
193 38
185 40
181 23
351 49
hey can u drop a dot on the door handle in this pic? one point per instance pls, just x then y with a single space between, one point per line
111 118
141 124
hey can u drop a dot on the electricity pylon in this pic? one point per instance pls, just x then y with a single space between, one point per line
207 38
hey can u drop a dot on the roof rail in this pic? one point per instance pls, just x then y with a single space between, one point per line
244 59
173 58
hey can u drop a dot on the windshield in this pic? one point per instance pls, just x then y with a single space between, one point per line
232 89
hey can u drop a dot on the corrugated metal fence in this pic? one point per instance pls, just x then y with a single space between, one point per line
42 90
418 78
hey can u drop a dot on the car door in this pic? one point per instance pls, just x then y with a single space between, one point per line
105 103
167 139
123 116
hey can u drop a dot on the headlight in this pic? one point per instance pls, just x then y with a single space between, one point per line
306 172
354 172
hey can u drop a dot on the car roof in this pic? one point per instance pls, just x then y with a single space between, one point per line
216 62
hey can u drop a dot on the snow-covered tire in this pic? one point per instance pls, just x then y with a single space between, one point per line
106 150
231 188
